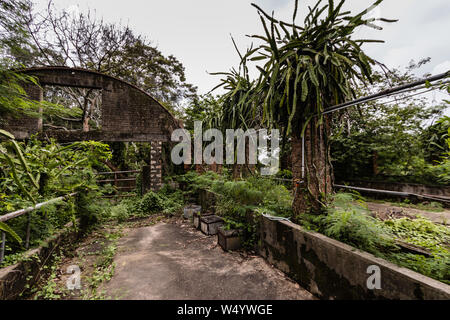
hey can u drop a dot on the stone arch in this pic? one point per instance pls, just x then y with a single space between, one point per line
128 113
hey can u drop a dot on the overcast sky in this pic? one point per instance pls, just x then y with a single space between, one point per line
198 32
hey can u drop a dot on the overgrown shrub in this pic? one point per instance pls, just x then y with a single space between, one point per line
424 233
86 210
36 171
151 202
120 212
348 220
172 199
240 202
167 200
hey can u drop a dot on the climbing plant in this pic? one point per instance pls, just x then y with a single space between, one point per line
38 171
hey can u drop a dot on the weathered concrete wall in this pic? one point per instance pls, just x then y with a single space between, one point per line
402 187
333 270
15 278
127 113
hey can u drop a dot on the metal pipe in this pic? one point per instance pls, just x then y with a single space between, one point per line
116 180
386 93
21 212
303 158
27 237
119 196
118 172
393 193
2 248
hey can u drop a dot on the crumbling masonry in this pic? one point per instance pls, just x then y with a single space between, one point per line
128 114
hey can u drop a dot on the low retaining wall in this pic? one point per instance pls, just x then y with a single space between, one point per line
15 278
402 187
333 270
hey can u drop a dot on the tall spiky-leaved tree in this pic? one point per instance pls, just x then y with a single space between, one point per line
307 69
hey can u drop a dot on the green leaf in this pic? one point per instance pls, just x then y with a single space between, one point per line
313 75
6 134
304 89
4 227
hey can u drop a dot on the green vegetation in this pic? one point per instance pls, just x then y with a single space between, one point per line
348 220
351 224
240 202
98 267
305 69
49 290
35 172
302 70
389 142
104 268
167 201
406 203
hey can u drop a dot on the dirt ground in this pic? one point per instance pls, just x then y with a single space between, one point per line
388 211
172 260
165 258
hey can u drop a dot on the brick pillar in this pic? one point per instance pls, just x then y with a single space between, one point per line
155 165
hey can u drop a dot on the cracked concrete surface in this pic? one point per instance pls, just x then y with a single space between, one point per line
174 261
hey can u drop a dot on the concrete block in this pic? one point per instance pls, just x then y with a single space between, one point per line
190 210
197 216
210 224
229 240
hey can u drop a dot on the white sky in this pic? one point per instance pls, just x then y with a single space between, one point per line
197 32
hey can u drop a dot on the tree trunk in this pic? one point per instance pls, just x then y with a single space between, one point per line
236 171
285 160
375 163
247 169
285 153
313 187
86 124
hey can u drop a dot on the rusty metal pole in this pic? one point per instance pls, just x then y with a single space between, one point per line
40 124
2 248
27 239
115 182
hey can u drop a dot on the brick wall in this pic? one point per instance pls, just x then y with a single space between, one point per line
128 113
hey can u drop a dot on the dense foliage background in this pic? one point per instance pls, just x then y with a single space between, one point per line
306 70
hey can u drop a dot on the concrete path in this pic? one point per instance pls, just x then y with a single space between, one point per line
175 261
